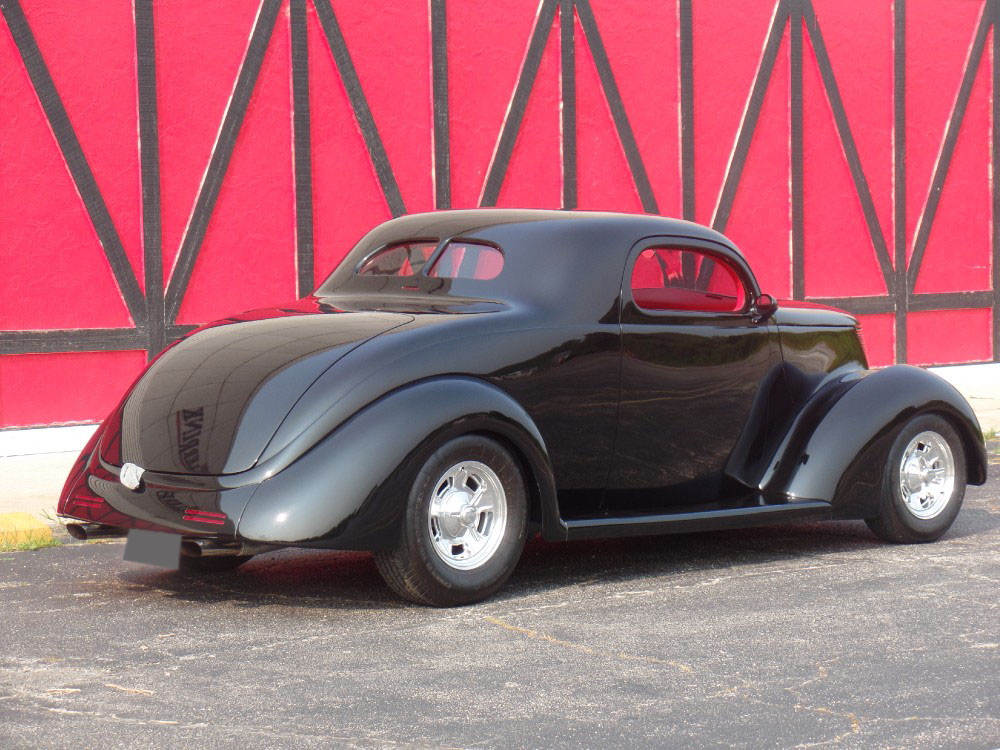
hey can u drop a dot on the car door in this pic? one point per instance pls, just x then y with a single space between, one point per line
697 364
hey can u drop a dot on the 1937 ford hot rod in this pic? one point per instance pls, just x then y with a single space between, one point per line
466 378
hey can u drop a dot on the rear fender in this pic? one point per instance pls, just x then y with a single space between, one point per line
837 448
350 490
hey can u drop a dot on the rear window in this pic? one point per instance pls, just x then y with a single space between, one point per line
468 260
401 259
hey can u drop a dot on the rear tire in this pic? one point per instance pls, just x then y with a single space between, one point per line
465 525
924 482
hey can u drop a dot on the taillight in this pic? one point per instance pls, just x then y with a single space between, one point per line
204 516
85 499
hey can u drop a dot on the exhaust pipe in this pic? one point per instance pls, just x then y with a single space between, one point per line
83 531
210 548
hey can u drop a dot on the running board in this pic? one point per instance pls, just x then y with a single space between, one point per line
710 520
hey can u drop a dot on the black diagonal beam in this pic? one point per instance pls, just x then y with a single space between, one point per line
615 103
302 143
737 162
439 92
359 104
947 149
221 156
149 164
850 148
518 104
567 76
72 152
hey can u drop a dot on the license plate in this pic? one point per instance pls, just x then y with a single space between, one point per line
153 548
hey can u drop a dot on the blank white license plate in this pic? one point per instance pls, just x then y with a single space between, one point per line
153 548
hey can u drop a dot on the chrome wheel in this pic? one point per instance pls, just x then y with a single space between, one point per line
927 475
467 516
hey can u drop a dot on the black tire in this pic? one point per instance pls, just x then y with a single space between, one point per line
416 570
212 564
898 522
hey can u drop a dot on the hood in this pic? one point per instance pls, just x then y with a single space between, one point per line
210 403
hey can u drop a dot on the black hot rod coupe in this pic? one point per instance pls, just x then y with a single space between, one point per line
464 379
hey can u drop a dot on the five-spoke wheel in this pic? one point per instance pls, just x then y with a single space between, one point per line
465 525
924 482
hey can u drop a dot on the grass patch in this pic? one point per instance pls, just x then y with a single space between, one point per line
29 544
991 434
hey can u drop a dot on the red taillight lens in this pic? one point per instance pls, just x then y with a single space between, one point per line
204 516
85 499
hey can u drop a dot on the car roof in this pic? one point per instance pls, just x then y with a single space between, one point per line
473 222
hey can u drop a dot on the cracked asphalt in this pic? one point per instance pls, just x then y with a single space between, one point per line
805 635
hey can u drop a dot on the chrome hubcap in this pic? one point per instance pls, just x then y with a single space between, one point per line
927 475
467 516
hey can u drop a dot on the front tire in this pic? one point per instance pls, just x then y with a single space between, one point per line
924 482
465 525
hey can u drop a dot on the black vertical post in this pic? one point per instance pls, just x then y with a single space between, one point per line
686 32
567 77
901 290
149 165
996 177
686 51
439 80
798 214
304 249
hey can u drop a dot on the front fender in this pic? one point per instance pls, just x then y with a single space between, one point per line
350 490
837 448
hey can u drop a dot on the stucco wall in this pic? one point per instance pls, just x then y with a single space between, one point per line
163 164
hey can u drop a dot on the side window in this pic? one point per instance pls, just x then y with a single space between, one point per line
468 260
670 278
402 259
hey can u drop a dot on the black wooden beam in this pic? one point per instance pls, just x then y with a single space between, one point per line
442 125
359 104
847 141
221 155
947 150
797 144
79 168
899 287
734 171
149 165
518 104
567 79
304 242
614 98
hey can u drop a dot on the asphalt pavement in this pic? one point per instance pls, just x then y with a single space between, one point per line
788 636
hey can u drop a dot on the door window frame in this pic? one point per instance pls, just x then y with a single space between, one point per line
632 312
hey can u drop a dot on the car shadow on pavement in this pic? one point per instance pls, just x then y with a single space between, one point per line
350 580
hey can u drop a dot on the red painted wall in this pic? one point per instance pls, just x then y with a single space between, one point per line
845 146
